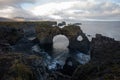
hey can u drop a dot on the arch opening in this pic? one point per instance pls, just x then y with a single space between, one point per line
60 42
60 49
79 38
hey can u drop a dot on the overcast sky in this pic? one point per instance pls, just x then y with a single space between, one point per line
74 10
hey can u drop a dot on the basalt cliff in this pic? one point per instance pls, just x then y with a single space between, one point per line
19 61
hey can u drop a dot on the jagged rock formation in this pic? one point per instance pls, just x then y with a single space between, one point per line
104 49
46 34
105 61
18 66
104 52
8 36
92 71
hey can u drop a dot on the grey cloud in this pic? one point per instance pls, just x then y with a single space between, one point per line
12 8
104 10
14 3
8 2
82 9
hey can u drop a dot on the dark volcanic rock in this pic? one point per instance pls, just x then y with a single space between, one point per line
105 61
105 54
46 34
104 49
17 66
92 71
9 35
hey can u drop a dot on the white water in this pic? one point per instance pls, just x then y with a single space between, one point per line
61 53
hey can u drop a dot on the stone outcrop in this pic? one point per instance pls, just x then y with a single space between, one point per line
45 31
18 66
93 71
9 35
104 49
105 61
46 34
105 53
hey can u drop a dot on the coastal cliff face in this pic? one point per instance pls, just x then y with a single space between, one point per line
104 49
27 66
19 66
9 35
104 52
104 63
46 34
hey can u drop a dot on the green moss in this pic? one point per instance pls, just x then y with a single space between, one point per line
90 71
21 70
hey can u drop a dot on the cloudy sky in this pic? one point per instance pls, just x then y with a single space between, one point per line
74 10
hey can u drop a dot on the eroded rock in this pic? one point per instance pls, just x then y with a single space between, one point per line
46 33
104 49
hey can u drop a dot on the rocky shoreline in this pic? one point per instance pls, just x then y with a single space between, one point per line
15 65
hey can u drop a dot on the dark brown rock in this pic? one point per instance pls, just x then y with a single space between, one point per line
46 34
9 35
104 49
105 61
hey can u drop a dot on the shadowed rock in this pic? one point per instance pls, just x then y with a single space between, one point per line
104 49
9 35
105 61
46 34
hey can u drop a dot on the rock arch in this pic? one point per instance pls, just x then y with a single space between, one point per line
46 33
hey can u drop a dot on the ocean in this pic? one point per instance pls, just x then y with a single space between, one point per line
106 28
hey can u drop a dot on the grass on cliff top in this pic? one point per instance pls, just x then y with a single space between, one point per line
17 66
90 71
